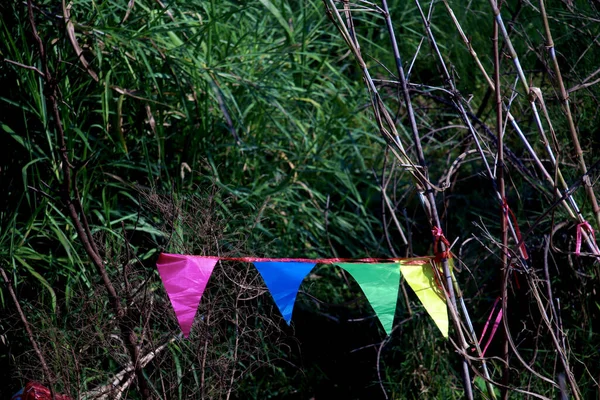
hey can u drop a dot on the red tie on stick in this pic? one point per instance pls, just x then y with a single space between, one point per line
438 234
494 328
584 225
507 212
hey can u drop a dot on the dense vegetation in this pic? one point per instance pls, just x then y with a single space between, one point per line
288 129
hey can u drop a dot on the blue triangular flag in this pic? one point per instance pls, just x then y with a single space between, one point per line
283 280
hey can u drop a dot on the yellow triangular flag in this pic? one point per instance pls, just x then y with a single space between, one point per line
420 278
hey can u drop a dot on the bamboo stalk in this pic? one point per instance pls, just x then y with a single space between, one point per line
458 103
570 200
530 92
564 98
504 211
499 128
419 171
434 217
575 139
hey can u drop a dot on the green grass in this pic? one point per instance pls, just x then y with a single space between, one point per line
244 128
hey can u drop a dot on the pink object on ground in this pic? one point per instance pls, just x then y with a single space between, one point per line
37 391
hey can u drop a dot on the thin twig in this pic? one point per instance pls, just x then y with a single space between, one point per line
76 213
567 202
564 98
432 208
36 348
504 210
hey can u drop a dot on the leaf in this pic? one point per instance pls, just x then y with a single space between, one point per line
275 11
40 278
481 385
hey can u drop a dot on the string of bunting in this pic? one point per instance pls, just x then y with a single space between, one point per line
185 278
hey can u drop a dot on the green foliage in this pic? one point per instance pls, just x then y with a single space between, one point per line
243 128
241 103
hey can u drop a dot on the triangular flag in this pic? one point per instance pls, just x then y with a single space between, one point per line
283 279
421 279
185 278
380 284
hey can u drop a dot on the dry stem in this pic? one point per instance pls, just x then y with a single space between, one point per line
77 216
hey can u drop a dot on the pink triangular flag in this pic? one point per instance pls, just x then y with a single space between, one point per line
185 278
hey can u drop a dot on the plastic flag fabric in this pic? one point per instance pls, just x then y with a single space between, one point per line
420 277
37 391
494 328
283 279
380 283
185 278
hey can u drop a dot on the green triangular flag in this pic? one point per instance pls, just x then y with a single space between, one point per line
380 284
